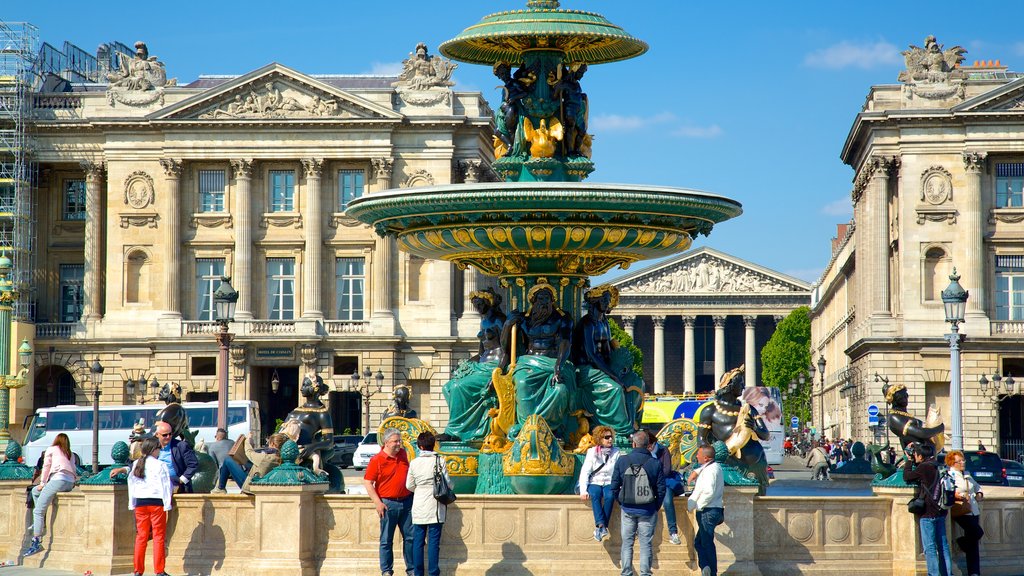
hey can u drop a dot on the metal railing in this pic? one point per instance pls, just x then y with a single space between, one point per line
346 326
1011 449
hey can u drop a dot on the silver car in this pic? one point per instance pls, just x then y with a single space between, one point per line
365 450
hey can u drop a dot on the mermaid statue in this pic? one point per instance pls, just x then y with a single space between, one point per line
469 394
739 426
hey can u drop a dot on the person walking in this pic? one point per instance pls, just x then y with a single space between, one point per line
596 478
966 512
672 483
58 475
817 461
385 480
639 486
932 523
149 495
706 502
427 513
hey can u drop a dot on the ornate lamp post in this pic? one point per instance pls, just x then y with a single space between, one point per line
362 386
954 300
8 296
96 375
224 298
141 387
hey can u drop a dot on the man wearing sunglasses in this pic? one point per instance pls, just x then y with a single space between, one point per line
178 456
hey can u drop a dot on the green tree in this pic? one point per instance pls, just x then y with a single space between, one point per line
626 341
785 357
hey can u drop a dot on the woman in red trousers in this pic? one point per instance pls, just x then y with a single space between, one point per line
149 494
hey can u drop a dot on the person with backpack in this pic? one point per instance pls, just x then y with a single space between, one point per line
596 478
706 502
965 512
639 485
673 486
920 468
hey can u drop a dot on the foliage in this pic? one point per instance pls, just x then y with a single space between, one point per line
785 357
626 341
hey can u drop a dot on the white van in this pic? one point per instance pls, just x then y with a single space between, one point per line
116 424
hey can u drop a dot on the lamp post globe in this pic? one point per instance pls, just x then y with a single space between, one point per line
225 298
954 301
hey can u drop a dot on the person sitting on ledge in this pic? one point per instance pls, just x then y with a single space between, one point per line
261 461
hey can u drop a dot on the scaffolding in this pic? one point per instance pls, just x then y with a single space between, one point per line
19 79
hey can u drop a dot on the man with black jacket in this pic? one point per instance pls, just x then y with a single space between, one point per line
922 470
638 519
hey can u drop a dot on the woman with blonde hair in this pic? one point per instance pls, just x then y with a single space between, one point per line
965 513
149 495
596 478
58 475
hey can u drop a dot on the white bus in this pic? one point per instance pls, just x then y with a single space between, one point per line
116 424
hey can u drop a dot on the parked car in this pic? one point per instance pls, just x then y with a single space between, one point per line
1014 473
344 450
367 448
985 467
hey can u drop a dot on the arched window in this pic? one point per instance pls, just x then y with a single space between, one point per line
936 274
136 277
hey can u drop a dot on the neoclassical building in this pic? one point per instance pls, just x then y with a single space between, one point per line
701 314
149 190
939 168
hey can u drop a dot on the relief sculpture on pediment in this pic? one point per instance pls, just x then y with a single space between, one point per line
270 102
708 275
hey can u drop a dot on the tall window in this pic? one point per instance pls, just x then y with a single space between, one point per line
211 190
282 190
1010 185
281 288
208 273
74 199
350 285
1010 287
72 295
350 187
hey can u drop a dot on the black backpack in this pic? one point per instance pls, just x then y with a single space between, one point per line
636 487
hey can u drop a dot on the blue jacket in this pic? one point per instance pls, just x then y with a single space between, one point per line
185 462
640 456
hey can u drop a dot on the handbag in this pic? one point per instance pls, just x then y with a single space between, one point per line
916 506
961 508
443 492
237 452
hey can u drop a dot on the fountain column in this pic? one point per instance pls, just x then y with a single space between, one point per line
719 348
689 357
750 352
659 354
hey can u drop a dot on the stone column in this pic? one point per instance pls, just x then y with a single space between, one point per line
172 224
312 265
93 274
628 324
878 237
242 274
750 350
469 323
689 359
719 348
659 354
382 316
973 270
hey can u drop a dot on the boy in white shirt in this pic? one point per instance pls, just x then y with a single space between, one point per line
706 500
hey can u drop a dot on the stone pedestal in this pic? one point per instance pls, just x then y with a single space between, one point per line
286 529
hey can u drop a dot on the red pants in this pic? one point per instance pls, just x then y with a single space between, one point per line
150 519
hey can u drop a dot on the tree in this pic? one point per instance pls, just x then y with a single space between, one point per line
786 357
626 341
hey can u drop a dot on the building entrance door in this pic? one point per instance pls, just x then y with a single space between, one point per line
275 406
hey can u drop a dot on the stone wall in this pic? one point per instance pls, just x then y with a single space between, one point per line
92 529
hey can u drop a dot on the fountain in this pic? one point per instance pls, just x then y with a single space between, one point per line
543 233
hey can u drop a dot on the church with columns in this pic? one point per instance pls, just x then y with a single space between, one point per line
150 190
702 313
938 187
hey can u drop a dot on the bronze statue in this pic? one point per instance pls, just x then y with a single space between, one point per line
400 404
904 425
738 425
507 116
311 428
574 108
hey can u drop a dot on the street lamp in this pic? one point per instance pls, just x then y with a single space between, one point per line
954 300
96 375
362 386
139 386
224 299
12 382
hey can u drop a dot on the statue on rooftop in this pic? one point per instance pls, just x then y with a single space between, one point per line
139 80
932 63
421 71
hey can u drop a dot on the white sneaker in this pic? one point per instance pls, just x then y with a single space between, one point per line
604 533
597 534
674 538
218 491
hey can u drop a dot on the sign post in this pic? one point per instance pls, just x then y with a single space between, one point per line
872 415
794 422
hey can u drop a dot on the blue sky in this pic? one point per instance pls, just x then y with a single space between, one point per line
750 100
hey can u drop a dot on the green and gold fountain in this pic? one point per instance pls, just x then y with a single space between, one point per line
543 233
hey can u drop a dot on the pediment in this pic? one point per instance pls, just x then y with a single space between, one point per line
708 271
275 92
1006 98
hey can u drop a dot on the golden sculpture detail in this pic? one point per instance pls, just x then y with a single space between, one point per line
409 428
504 416
536 452
544 137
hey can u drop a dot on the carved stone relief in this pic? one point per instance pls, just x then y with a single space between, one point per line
418 178
138 190
382 169
708 274
238 361
936 186
276 100
425 79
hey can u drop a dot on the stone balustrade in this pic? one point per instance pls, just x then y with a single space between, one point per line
299 530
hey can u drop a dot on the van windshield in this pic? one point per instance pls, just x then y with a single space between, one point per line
36 429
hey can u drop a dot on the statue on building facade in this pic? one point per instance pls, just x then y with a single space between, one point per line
139 80
400 404
607 386
421 71
544 377
738 425
469 394
932 63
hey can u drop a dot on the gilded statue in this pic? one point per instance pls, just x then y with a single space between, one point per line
566 87
738 425
544 377
400 404
515 88
607 386
544 138
470 394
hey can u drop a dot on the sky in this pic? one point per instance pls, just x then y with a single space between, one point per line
751 100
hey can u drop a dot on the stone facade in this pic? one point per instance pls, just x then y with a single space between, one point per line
937 163
145 199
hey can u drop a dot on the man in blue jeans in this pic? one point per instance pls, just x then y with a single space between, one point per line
920 469
385 483
706 501
638 520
